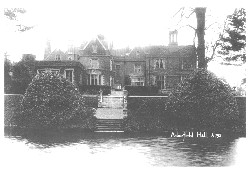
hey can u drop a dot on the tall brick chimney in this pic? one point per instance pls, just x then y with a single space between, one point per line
173 38
47 49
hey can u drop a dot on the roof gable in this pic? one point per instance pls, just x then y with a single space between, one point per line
95 47
52 55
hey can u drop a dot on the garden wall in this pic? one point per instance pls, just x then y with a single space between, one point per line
12 107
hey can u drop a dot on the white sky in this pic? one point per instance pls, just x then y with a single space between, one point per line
126 23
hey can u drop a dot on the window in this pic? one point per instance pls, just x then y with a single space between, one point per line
70 58
117 66
139 81
94 63
94 79
159 63
69 75
57 57
94 47
161 82
137 68
54 70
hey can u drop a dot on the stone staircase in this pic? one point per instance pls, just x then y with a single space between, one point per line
110 113
109 125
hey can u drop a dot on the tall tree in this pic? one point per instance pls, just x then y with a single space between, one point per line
7 75
233 40
199 31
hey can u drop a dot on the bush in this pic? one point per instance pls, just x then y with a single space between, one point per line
147 106
203 101
51 101
141 90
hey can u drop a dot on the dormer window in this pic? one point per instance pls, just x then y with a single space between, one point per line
94 47
57 57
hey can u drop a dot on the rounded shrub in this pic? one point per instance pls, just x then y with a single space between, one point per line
51 101
205 102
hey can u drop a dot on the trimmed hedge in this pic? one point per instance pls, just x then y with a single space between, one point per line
141 90
95 89
51 101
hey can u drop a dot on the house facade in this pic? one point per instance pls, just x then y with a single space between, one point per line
73 71
160 66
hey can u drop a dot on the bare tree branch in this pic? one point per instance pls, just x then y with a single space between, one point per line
210 25
179 11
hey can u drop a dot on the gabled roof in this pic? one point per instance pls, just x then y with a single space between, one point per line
51 56
104 45
165 51
101 46
160 51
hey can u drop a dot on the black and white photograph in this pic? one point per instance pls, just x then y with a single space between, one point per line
122 85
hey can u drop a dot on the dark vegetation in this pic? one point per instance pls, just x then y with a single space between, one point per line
202 102
141 90
94 89
51 101
12 108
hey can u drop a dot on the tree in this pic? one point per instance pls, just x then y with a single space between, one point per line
199 31
7 75
233 40
51 101
22 76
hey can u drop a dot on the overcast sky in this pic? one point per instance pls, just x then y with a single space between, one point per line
126 23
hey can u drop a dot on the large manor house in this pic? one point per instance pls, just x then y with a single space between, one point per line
95 63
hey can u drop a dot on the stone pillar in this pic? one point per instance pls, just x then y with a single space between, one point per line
100 99
125 101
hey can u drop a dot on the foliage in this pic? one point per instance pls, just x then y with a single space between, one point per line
148 114
51 101
12 108
141 90
233 41
7 76
12 13
22 76
127 80
28 57
205 101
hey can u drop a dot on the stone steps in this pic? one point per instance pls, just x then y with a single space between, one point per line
109 125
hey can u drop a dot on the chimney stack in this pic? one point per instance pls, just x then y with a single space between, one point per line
173 38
